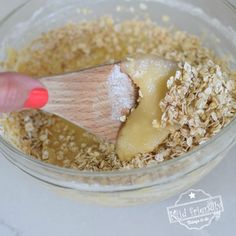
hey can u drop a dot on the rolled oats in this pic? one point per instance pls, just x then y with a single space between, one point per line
200 100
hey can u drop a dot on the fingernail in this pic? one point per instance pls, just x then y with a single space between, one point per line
37 98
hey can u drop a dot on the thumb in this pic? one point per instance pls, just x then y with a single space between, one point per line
19 91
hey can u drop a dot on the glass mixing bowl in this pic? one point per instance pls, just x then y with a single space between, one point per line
217 23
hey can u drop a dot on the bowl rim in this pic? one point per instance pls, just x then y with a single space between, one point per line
122 172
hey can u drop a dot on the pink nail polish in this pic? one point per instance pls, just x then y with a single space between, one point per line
37 98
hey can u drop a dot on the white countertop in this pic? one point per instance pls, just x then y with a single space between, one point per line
28 208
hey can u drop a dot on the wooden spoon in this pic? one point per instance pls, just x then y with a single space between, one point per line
94 99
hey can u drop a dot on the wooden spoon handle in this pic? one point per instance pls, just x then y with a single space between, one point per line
94 99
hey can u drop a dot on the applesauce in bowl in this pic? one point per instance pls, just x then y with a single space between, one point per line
44 39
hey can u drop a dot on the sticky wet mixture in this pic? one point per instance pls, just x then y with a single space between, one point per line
199 101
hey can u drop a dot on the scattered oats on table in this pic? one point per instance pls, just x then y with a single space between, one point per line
200 100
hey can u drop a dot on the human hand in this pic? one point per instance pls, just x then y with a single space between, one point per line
19 92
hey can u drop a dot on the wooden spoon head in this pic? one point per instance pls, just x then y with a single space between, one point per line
94 99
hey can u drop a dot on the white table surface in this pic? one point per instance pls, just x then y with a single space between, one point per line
27 208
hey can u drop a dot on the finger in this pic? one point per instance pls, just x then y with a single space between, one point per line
19 91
